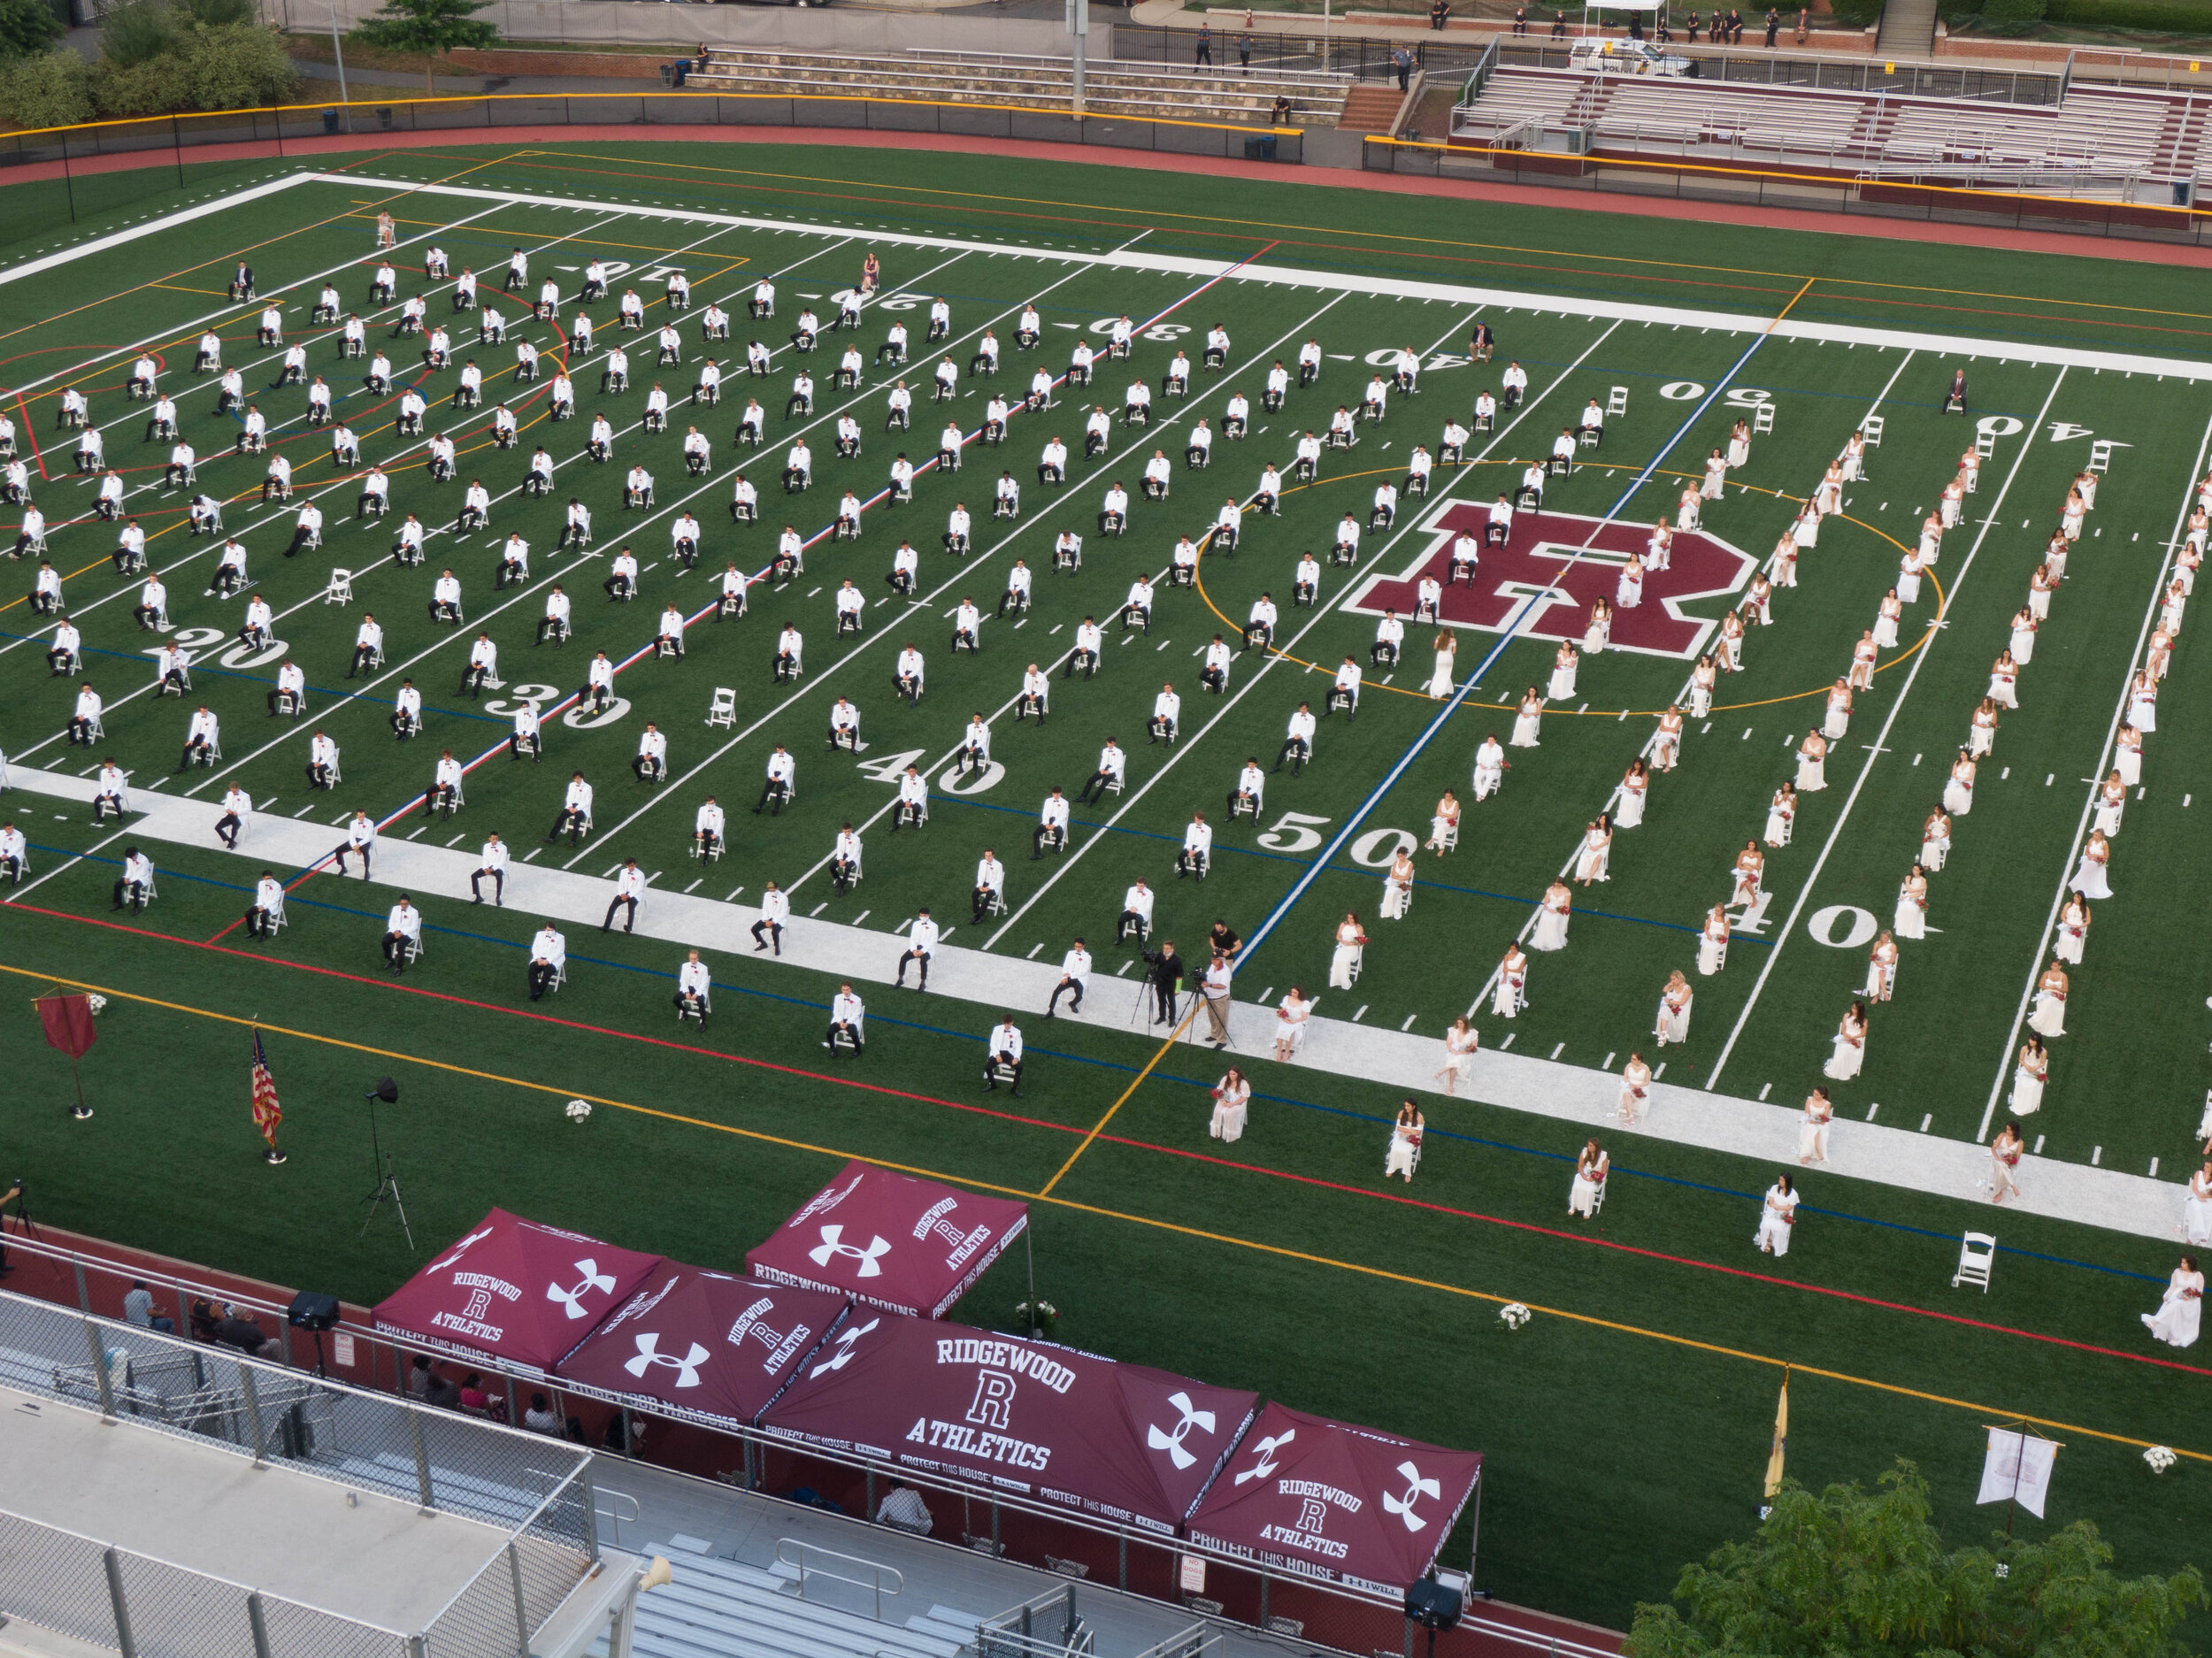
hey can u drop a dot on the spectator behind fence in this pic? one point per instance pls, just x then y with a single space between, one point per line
419 1378
473 1398
138 1308
238 1330
902 1507
443 1395
540 1417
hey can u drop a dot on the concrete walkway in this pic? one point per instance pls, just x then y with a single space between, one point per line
994 984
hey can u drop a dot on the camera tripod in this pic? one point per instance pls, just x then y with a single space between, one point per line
381 1160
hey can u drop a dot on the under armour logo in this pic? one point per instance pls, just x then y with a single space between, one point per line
1172 1443
846 1340
832 1247
1416 1488
1267 1464
593 1279
460 1249
648 1355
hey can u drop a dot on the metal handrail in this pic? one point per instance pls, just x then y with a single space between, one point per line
898 1583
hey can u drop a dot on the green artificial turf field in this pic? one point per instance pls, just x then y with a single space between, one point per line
1627 1425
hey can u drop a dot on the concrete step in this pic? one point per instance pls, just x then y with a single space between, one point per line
1370 108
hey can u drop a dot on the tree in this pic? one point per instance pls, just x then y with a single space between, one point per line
234 67
27 26
47 89
428 29
1847 1574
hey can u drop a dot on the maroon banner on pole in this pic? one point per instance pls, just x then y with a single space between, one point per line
68 1022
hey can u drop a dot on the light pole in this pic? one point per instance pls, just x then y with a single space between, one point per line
1079 16
338 47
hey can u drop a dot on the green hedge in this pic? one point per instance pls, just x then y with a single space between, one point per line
2131 14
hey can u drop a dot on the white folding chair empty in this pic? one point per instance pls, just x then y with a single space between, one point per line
340 591
2100 454
722 709
1870 429
1984 442
1978 1253
1616 403
1763 417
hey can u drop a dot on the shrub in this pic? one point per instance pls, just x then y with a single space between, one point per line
232 67
136 33
47 89
2131 14
155 86
2012 16
27 26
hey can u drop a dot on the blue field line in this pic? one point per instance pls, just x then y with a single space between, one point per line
1512 628
1348 869
215 670
1380 1123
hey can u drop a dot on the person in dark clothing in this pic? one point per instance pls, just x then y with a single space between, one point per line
1223 941
1438 13
1635 26
1164 969
1774 26
1520 19
1205 53
1559 26
1735 27
1244 51
1402 65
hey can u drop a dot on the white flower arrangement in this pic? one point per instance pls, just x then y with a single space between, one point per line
578 1110
2160 1458
1513 1314
95 1003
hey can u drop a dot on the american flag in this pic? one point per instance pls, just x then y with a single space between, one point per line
266 1112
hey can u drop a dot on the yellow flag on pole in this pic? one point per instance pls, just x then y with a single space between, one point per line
1781 1439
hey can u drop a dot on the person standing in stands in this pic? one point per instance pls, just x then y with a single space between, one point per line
1774 26
1244 51
1204 57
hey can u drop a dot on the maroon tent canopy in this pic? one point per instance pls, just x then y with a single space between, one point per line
1130 1444
905 1245
1335 1501
702 1345
515 1291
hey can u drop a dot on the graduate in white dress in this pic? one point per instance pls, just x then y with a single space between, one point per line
1712 944
1587 1189
1935 841
1703 679
2112 801
2004 680
2127 755
1491 765
1444 825
1459 1045
2039 586
1351 945
1441 679
1527 720
2049 1018
1958 792
2089 879
1886 619
2196 1208
1666 741
1909 568
2031 1072
1837 718
2024 627
1596 855
1292 1015
1628 592
1749 873
1404 1154
1551 917
1847 1052
1813 1125
2005 1153
2073 931
1910 920
1511 994
1881 970
1778 1217
1635 1089
1635 785
1232 1106
1781 815
1563 663
1398 886
1981 730
2181 1312
1599 634
1675 999
1812 763
2143 703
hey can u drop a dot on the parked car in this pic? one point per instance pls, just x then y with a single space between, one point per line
1629 57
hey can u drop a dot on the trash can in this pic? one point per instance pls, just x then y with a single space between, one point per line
668 74
1260 149
330 120
2181 191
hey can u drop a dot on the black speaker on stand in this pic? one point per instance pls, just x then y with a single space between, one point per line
314 1312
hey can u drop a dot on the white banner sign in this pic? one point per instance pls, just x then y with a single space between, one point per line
2018 1466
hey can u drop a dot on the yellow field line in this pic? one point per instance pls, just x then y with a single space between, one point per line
1098 1127
1277 1250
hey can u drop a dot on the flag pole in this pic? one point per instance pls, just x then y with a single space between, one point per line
80 1111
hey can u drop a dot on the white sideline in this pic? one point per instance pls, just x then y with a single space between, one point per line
2131 1204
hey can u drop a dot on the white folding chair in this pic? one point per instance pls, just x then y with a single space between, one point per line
1977 1253
277 918
1985 443
340 590
2100 455
415 949
1616 403
1870 429
1448 840
1763 417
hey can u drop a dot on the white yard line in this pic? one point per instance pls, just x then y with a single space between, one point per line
2089 801
1881 740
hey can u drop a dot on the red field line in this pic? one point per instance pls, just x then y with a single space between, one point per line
1408 1201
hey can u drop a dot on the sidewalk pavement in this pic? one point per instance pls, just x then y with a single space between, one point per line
993 985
